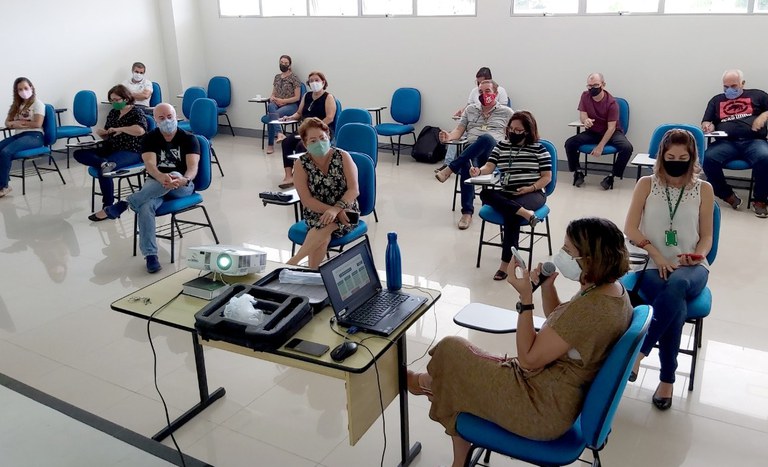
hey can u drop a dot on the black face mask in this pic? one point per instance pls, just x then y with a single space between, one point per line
595 91
284 68
515 138
676 168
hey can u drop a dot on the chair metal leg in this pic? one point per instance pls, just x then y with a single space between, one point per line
232 130
135 232
549 236
263 134
215 159
34 164
392 145
455 191
57 171
399 142
375 216
480 243
210 224
93 194
173 237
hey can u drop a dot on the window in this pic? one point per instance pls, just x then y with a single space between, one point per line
615 6
446 8
239 8
539 7
284 7
707 6
387 7
761 6
333 8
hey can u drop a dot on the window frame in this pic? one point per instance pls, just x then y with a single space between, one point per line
359 14
582 11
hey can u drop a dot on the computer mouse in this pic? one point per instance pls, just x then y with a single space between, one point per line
343 350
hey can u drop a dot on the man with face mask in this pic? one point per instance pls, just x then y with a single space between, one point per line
599 113
484 123
742 114
139 85
171 158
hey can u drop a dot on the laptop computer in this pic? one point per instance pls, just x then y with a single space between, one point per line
356 295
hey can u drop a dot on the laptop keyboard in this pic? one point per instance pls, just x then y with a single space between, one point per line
372 311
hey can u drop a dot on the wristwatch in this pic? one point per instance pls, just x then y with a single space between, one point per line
521 308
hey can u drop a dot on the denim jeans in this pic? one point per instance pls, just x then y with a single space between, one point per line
450 153
12 145
670 308
274 112
96 157
754 151
477 153
145 202
508 205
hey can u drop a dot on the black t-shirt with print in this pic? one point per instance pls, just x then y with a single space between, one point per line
735 116
171 155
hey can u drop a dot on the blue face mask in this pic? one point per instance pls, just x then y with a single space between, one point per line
731 93
167 126
319 147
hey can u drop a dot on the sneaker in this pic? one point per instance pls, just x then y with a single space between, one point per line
5 191
107 167
465 221
760 209
153 264
114 211
734 201
578 178
607 183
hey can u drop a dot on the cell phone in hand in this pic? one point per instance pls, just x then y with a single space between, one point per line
693 256
519 258
353 216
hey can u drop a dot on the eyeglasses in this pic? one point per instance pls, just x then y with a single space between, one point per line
516 131
594 86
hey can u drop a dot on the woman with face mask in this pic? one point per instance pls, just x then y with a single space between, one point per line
539 393
525 168
326 180
122 134
25 117
671 217
317 103
286 92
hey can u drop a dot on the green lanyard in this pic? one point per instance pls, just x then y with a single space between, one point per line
670 236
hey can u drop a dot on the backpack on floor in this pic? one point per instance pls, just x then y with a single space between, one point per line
428 147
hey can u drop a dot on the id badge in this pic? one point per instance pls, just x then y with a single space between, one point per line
670 237
484 128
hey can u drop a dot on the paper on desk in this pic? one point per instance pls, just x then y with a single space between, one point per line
716 134
489 179
288 276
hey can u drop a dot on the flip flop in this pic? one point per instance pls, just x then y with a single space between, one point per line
94 218
500 275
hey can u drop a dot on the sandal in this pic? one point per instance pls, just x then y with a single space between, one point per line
500 275
533 221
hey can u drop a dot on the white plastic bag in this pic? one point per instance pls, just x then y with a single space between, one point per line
241 308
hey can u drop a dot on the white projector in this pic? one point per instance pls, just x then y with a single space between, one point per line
227 259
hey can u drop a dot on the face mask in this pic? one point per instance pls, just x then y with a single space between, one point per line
119 105
284 68
515 138
567 265
595 91
138 76
676 168
731 93
487 99
319 147
167 126
316 86
25 94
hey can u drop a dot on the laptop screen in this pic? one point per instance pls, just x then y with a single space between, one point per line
350 277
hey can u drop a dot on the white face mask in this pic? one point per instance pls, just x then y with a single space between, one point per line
567 265
25 94
316 86
138 76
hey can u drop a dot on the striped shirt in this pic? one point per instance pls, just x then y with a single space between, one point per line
520 165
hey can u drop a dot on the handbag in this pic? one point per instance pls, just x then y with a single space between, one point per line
634 294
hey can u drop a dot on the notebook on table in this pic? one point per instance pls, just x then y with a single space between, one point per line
357 297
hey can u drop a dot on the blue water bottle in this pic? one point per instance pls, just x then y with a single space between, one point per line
394 268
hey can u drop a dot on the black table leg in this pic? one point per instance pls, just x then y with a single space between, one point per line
407 452
206 399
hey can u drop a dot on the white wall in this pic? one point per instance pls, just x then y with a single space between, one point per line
666 66
63 49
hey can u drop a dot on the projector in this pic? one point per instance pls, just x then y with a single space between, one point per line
227 259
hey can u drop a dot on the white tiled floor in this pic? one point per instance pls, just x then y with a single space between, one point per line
57 333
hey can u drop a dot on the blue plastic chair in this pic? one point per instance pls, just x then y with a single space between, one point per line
608 149
119 189
157 95
366 180
151 124
359 137
591 428
86 112
190 96
405 110
699 307
658 134
265 119
204 122
49 137
220 90
488 214
174 207
353 115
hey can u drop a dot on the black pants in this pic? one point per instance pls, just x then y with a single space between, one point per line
618 140
291 144
508 204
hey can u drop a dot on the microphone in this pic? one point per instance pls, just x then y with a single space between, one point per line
547 269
